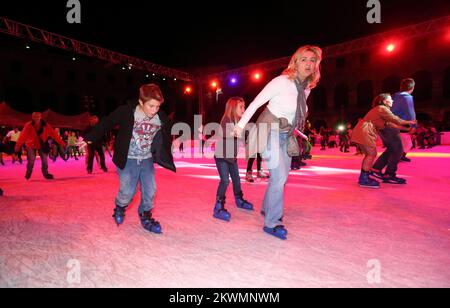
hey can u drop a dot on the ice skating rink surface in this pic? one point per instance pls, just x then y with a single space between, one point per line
61 234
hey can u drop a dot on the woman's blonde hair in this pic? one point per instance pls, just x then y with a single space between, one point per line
230 109
291 70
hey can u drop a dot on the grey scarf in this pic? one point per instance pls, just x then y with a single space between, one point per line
300 114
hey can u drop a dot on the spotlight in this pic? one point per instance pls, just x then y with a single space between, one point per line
233 80
214 84
188 90
257 76
390 48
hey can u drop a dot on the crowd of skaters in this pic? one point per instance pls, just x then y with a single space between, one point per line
143 138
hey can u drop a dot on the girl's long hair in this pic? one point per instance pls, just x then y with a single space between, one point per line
230 109
291 70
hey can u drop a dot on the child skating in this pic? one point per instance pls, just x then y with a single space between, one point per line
225 157
143 138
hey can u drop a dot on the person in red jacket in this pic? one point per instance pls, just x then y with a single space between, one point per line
35 136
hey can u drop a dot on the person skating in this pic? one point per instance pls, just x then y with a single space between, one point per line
365 135
143 139
226 151
403 107
285 112
4 148
260 174
56 149
13 136
35 136
94 148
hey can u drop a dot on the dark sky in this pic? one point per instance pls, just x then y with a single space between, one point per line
190 34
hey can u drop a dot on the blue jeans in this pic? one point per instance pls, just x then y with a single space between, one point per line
279 165
137 172
227 169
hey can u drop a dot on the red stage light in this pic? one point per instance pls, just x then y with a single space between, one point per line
214 84
390 48
257 76
188 90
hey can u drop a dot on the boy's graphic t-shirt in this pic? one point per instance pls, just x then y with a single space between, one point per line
144 132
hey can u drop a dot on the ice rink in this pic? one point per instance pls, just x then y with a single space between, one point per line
61 234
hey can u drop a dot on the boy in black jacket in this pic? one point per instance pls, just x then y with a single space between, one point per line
143 138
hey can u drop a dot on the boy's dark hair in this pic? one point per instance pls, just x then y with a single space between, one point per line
407 84
150 91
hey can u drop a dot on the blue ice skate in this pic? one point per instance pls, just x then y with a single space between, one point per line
242 203
219 210
367 182
149 223
279 231
119 215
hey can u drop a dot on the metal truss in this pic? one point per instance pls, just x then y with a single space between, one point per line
54 40
406 33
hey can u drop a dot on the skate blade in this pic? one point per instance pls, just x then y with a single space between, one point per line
373 187
222 218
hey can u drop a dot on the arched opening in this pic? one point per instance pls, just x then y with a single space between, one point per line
424 86
341 96
365 93
391 84
71 103
319 99
446 83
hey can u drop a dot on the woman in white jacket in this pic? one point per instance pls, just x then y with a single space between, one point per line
287 109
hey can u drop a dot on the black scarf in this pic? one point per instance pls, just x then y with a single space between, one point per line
41 128
45 147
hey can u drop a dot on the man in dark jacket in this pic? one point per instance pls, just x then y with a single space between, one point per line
94 147
143 138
